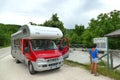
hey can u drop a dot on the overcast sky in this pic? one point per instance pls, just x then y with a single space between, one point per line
70 12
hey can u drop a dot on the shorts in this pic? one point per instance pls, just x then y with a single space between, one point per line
95 60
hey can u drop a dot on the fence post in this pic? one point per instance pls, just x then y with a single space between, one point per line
111 58
108 55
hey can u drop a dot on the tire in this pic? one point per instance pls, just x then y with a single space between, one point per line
31 68
17 61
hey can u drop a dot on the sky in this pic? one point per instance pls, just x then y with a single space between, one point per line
70 12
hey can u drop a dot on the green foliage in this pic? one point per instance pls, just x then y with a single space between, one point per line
75 39
74 35
54 22
87 38
114 43
69 32
5 33
104 24
79 29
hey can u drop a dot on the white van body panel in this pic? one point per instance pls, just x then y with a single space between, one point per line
38 32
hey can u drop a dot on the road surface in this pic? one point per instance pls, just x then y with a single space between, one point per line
4 52
9 70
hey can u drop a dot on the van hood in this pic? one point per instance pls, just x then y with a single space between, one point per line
47 54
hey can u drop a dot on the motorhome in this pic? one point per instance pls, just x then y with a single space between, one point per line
36 47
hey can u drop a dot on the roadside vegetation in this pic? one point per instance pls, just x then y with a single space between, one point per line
102 69
5 33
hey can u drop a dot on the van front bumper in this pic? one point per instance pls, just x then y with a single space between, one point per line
52 63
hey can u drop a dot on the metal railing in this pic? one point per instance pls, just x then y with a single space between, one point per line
77 46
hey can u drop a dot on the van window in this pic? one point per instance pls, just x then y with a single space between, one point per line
27 47
17 43
43 44
24 31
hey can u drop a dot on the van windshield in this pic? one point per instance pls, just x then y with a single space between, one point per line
43 44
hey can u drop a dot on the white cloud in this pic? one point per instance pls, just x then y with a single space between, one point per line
111 4
69 12
11 18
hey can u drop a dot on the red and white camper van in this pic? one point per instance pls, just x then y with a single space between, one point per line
36 47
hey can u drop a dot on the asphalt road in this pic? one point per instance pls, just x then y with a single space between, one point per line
4 52
9 70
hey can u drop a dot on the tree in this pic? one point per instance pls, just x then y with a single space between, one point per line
74 35
55 22
74 39
31 23
79 29
87 38
5 33
104 24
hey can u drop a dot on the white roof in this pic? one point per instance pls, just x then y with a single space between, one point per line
39 32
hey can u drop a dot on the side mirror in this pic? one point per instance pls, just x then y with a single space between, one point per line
26 49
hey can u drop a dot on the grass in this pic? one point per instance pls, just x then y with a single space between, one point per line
102 69
74 64
4 46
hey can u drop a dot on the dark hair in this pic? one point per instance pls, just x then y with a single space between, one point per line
94 46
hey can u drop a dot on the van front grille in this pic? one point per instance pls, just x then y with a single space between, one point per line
53 60
53 64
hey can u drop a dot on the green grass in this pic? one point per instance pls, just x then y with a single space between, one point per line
74 64
4 46
102 69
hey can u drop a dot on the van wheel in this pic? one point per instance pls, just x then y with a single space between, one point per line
31 69
17 61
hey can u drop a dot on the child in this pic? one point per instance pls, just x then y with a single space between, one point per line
94 55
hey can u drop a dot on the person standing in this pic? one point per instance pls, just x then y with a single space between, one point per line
94 58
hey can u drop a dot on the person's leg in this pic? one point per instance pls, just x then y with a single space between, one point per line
95 69
92 68
92 65
96 66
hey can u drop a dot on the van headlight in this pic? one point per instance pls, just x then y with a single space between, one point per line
61 58
39 60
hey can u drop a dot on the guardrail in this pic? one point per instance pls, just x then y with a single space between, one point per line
77 46
111 53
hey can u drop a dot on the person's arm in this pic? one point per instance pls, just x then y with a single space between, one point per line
97 53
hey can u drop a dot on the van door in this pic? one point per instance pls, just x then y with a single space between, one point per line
28 51
64 47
